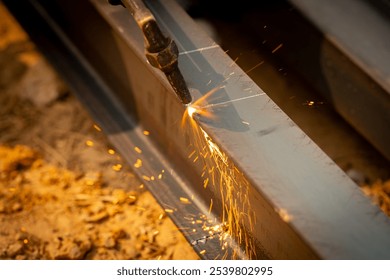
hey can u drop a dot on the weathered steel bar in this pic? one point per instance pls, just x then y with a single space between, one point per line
275 192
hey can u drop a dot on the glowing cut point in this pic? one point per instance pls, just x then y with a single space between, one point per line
191 110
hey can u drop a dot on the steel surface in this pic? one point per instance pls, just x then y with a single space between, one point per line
351 63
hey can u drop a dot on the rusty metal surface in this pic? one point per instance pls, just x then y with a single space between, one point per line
294 202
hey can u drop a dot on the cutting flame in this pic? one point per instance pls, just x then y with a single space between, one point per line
199 107
191 110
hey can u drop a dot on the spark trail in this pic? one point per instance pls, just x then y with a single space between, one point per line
225 179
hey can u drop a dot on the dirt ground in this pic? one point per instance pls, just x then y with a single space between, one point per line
64 192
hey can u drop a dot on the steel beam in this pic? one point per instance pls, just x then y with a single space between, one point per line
282 195
347 60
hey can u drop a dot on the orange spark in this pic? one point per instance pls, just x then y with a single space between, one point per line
277 48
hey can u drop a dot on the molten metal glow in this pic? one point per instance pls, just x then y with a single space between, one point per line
191 110
199 107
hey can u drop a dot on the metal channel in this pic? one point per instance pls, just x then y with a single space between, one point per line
347 60
282 195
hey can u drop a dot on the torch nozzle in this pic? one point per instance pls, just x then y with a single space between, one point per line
161 51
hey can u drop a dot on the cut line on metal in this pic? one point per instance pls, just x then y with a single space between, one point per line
200 49
231 101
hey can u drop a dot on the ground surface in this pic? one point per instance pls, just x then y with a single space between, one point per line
64 193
